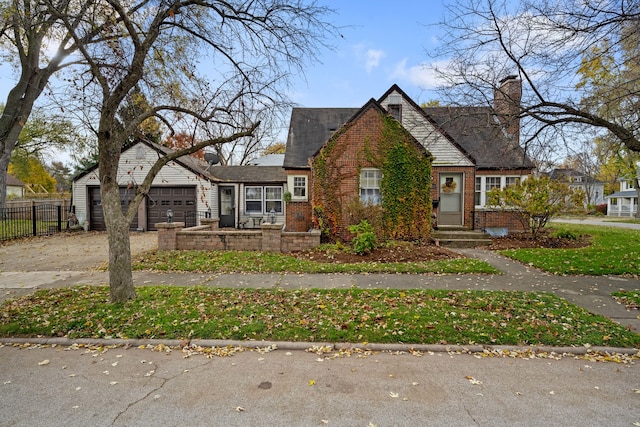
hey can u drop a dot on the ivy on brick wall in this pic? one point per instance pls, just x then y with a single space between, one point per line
405 186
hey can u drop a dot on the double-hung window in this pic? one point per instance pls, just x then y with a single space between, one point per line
253 200
298 187
273 199
370 186
484 185
261 200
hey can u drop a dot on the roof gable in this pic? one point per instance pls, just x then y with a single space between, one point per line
193 164
460 136
371 104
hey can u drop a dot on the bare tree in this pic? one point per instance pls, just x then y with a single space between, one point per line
542 42
164 50
27 30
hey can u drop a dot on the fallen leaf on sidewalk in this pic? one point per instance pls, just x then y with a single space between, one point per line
473 380
394 394
44 362
239 409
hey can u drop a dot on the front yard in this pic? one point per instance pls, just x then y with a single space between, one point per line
351 315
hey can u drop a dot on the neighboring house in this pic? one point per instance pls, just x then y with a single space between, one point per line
623 202
593 188
15 187
191 188
474 150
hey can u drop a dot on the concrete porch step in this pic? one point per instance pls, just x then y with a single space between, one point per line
456 238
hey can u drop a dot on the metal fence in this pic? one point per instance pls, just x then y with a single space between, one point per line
192 219
36 220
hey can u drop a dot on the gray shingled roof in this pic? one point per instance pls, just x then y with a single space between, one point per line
478 131
309 129
249 174
475 129
14 182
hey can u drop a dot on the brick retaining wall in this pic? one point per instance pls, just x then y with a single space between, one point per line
270 238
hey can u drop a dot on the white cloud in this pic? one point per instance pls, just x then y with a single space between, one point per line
373 58
421 75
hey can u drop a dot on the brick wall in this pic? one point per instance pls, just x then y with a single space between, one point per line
346 161
270 237
299 216
487 218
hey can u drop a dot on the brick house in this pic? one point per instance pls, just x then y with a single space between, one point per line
474 150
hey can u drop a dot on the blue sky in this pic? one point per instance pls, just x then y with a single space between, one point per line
383 44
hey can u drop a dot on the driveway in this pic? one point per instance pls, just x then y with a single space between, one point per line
66 251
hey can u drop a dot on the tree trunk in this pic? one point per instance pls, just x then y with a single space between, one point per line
120 276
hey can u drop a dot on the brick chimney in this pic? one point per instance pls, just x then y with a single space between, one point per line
506 103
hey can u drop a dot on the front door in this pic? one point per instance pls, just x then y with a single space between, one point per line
450 209
227 206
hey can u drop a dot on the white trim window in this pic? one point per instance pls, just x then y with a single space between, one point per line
298 187
273 199
253 200
260 200
484 184
370 186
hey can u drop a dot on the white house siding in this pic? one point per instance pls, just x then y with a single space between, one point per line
133 167
444 152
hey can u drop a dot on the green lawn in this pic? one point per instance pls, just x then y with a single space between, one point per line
273 262
614 251
353 315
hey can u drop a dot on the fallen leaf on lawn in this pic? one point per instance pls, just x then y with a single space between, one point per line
239 409
312 382
44 362
394 395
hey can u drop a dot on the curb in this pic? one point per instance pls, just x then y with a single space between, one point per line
301 346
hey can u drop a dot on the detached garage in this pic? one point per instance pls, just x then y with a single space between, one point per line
185 186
